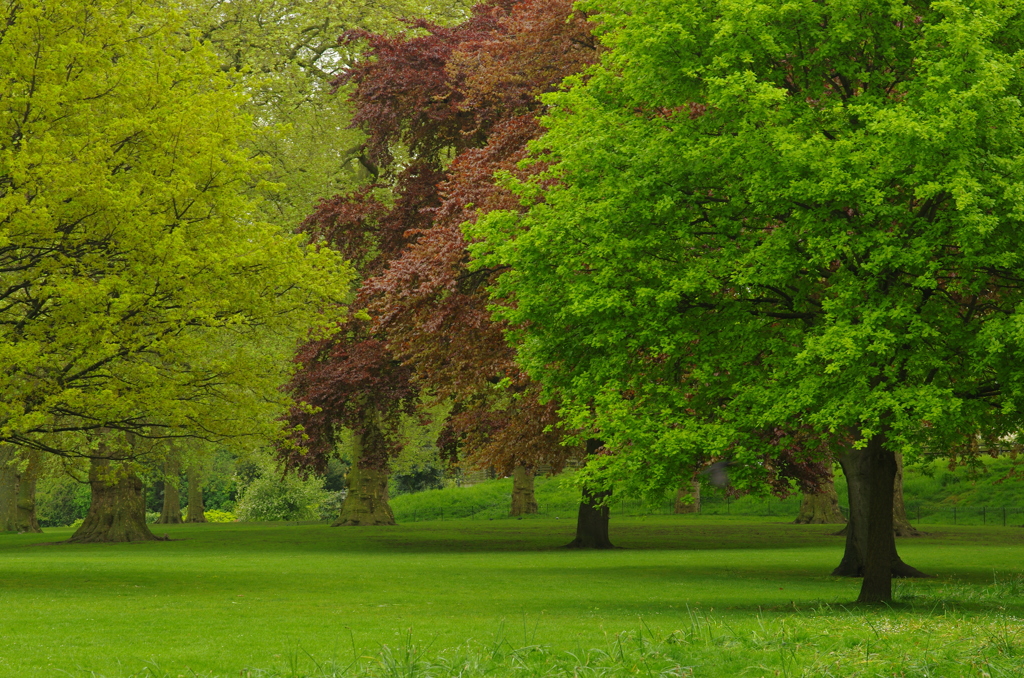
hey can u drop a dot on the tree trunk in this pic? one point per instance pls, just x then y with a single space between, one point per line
196 507
18 489
821 508
683 506
26 507
171 511
9 481
523 500
900 522
592 519
117 512
367 500
871 551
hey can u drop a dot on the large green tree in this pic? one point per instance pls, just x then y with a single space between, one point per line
141 294
791 215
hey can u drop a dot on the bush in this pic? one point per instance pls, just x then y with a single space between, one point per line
61 501
271 497
216 516
331 507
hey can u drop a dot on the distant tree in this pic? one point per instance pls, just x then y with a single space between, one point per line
287 54
789 213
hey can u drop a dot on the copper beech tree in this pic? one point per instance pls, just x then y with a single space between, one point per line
443 111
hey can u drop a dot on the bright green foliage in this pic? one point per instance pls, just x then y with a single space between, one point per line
276 497
138 290
216 516
785 214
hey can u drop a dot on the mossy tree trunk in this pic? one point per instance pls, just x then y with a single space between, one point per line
366 502
688 501
170 513
592 519
27 521
196 507
523 499
821 507
9 481
19 471
870 549
117 512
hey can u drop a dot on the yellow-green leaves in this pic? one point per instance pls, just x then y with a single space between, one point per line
139 289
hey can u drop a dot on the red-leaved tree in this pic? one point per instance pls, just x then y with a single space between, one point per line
443 111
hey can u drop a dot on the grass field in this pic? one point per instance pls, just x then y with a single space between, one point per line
688 595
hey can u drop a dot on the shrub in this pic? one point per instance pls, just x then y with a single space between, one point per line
331 506
215 516
271 497
60 501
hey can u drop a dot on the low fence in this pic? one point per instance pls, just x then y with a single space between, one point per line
784 509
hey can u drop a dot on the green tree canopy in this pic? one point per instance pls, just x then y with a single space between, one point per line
139 289
779 215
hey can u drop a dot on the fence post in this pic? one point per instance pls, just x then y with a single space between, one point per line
918 513
728 505
769 502
1004 516
982 515
954 515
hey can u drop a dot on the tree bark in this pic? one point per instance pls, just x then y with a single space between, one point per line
26 520
117 512
871 551
592 519
170 514
900 522
196 507
683 506
367 500
523 499
821 508
9 481
18 489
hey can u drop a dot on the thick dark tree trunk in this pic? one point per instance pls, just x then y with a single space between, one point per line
117 511
901 526
682 504
821 508
523 500
871 551
367 500
9 482
592 520
171 511
196 507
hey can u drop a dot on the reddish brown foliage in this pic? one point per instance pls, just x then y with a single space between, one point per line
467 94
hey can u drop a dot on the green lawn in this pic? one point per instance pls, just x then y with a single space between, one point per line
688 595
